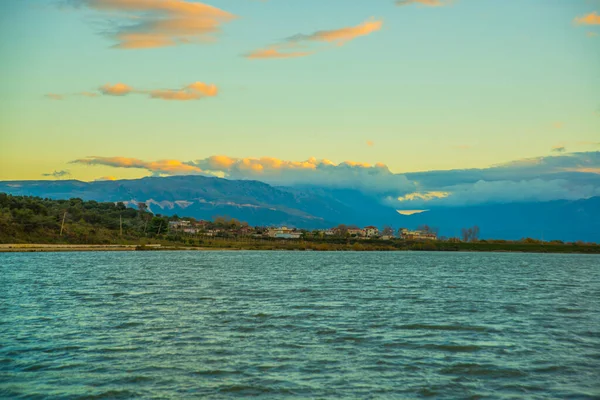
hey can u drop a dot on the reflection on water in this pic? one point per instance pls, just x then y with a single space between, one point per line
304 325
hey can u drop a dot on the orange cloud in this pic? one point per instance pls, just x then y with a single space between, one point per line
227 164
348 174
370 143
119 89
337 36
590 19
161 23
194 91
220 162
272 52
586 170
428 3
344 35
424 196
169 167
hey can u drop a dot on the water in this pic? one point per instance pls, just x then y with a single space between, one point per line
299 325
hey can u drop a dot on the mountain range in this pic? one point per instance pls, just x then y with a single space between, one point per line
314 207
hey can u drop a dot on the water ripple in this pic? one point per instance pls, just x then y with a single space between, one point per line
277 325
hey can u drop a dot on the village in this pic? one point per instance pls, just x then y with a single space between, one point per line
227 228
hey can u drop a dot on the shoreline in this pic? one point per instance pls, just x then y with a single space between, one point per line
65 248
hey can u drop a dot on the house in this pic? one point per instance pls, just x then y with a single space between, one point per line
371 231
324 232
212 232
179 225
357 232
284 233
417 235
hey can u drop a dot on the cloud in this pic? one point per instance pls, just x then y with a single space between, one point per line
166 167
194 91
559 149
562 176
424 196
587 170
537 166
143 24
58 174
118 89
338 37
427 3
411 212
589 19
532 190
551 167
274 52
371 179
343 35
106 178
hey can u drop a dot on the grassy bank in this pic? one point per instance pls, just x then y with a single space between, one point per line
304 245
391 245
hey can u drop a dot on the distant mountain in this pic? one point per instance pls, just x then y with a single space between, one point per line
317 207
204 198
553 220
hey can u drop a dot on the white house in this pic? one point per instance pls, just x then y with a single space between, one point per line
284 233
371 231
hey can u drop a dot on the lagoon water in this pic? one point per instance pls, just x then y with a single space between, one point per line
299 325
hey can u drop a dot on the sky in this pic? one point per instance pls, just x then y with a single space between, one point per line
114 89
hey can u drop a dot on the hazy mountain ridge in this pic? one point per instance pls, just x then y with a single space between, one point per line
196 196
